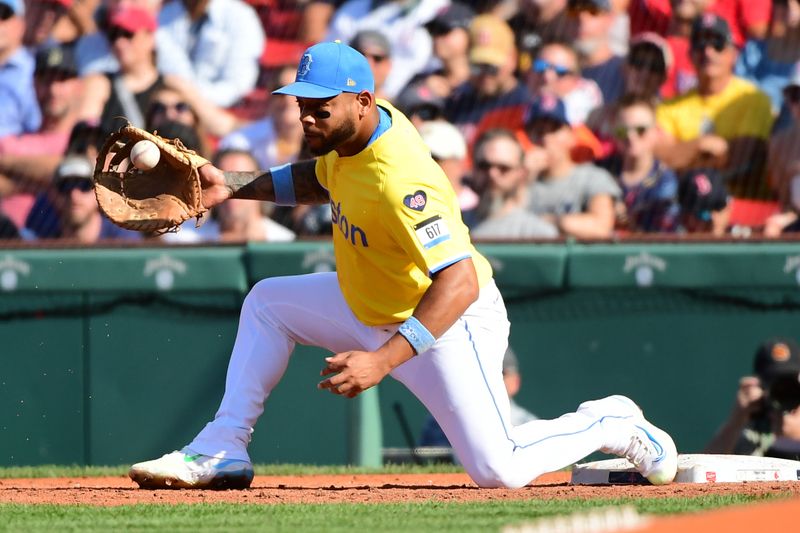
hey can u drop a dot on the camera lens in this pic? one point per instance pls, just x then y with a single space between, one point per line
784 392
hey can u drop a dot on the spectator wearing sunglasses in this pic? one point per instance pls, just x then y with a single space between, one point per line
492 85
577 198
649 201
723 123
79 217
173 117
19 111
644 73
449 31
500 179
93 50
376 48
595 19
124 96
28 161
784 165
681 75
555 71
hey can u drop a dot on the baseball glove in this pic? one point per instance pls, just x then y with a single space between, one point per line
158 200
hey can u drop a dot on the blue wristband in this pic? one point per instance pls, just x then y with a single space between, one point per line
416 334
283 184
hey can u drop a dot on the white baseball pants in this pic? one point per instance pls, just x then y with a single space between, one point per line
459 380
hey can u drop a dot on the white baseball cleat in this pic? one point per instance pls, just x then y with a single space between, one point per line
188 470
650 449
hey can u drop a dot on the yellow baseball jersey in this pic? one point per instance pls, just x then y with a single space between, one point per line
740 110
396 222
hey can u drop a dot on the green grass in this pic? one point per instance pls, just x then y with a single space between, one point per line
262 470
416 517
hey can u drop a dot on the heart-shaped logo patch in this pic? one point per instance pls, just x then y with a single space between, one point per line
416 201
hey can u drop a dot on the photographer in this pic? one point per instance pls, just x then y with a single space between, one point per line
765 419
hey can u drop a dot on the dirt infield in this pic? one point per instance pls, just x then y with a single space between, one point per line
355 489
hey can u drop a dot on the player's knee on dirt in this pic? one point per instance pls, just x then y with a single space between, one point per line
496 473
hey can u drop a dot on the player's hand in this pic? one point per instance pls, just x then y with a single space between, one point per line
750 396
212 180
357 371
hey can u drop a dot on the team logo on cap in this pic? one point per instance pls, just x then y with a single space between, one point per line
305 66
703 184
781 352
709 19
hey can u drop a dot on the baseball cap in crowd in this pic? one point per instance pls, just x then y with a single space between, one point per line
369 41
546 107
74 171
701 192
492 41
74 166
419 99
649 49
17 6
592 6
450 17
546 114
57 60
329 69
132 19
775 357
443 139
710 29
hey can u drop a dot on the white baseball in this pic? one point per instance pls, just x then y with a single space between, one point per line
145 155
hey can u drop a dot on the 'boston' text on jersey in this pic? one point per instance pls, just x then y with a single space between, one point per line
348 230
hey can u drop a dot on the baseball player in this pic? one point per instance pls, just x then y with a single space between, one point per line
411 298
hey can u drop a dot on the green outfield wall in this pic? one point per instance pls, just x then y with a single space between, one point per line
115 355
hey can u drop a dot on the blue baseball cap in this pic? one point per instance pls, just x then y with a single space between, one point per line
329 69
17 6
546 107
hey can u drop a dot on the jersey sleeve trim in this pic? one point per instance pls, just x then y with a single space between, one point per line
441 266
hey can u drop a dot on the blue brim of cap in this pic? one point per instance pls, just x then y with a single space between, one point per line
303 89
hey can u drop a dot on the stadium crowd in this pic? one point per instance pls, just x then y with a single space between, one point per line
591 119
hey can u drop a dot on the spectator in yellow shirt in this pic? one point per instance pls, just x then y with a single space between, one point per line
723 123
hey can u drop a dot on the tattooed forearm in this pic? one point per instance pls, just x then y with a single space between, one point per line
257 185
251 185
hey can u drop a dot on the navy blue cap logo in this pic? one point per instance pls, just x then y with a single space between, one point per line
305 66
416 201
